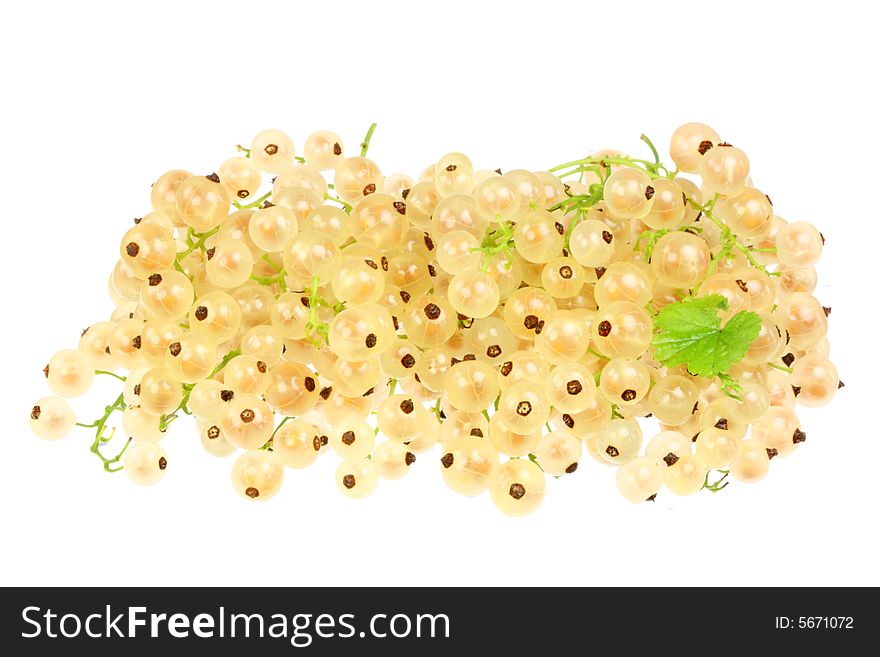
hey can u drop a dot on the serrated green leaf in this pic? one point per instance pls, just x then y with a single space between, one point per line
689 333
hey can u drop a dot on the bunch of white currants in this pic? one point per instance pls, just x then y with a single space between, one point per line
511 321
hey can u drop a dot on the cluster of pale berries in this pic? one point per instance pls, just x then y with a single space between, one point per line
500 324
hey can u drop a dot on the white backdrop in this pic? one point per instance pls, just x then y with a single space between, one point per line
99 99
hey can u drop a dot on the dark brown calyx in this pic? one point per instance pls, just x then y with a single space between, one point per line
530 321
607 237
324 441
400 206
252 492
604 328
506 368
163 463
369 189
559 228
476 431
261 367
517 491
270 149
368 392
432 311
600 272
429 243
796 390
242 193
210 252
652 498
840 385
451 168
201 313
721 423
348 481
137 388
409 458
213 432
408 361
404 193
371 264
174 348
137 220
309 383
566 272
571 468
405 296
704 146
798 436
574 387
247 416
227 395
493 351
35 413
407 406
523 408
447 459
316 443
742 285
670 459
136 342
370 340
337 148
213 177
325 393
649 192
628 395
154 279
132 249
431 271
827 310
788 359
612 451
568 420
348 438
725 144
771 452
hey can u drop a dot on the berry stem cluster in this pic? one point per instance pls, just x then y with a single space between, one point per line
110 464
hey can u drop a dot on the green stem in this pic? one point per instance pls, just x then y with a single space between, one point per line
719 484
650 144
242 149
195 241
365 144
346 206
121 378
781 368
168 418
253 204
100 439
596 353
272 263
392 383
281 424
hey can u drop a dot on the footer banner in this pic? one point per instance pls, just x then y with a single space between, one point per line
319 621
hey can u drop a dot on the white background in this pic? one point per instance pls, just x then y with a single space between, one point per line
99 99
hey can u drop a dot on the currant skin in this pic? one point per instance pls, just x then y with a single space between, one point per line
257 475
51 418
517 487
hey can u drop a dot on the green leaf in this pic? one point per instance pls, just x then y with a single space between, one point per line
689 333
